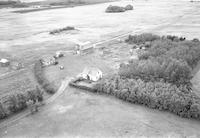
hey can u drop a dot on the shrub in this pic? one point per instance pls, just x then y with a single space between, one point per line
129 7
39 75
111 9
12 104
157 95
21 101
56 31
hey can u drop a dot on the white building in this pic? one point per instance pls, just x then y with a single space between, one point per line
93 74
4 62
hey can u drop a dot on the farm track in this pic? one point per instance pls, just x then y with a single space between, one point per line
26 112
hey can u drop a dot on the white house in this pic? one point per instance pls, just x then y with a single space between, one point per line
93 74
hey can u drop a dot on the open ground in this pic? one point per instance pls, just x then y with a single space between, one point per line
78 113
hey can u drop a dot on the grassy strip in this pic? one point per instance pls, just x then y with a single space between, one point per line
39 75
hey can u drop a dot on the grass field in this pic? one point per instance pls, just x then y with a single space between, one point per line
20 82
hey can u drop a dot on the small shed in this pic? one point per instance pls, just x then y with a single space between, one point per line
4 62
91 73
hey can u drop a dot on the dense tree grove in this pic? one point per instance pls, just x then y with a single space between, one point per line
17 102
160 78
157 95
168 58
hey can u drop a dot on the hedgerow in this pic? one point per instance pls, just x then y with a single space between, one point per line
17 102
39 75
113 9
57 31
142 38
157 95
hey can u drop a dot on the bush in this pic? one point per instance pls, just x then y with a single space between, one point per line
113 9
128 7
39 75
68 28
157 95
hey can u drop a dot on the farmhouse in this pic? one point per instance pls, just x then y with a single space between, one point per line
93 74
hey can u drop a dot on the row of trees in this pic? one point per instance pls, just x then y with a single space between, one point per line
39 75
157 95
17 102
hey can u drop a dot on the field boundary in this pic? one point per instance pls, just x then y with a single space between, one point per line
9 121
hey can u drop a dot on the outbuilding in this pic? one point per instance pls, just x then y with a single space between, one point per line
4 62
